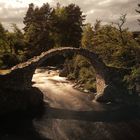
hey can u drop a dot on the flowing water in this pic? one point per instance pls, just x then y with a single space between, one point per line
71 115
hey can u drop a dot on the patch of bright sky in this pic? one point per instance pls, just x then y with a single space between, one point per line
22 3
90 12
104 2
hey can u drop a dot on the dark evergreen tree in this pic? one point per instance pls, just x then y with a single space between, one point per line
37 28
2 39
138 11
28 19
67 22
73 27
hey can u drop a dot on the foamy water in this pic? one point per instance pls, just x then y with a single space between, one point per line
45 77
58 91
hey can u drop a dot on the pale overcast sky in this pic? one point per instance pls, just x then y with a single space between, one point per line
13 11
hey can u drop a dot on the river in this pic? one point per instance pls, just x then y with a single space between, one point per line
72 115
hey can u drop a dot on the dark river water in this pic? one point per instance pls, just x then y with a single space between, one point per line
69 114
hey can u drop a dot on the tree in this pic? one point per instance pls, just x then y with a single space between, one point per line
28 19
11 46
73 25
46 27
120 25
115 44
3 46
67 22
58 20
87 37
138 11
37 28
16 39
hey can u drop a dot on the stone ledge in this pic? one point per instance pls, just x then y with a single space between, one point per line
16 100
117 95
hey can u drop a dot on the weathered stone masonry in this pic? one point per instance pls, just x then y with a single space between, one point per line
19 77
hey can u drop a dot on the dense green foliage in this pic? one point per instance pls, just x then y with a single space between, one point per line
115 45
47 27
67 25
12 47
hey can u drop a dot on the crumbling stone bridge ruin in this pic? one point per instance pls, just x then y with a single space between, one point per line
19 77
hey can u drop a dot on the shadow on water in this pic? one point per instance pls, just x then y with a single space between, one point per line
19 126
125 113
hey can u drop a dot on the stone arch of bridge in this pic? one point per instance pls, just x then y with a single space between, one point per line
96 62
20 76
108 79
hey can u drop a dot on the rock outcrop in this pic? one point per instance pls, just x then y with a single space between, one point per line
20 100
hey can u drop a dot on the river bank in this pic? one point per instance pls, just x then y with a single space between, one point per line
124 100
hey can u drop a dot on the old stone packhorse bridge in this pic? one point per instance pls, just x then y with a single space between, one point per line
19 77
